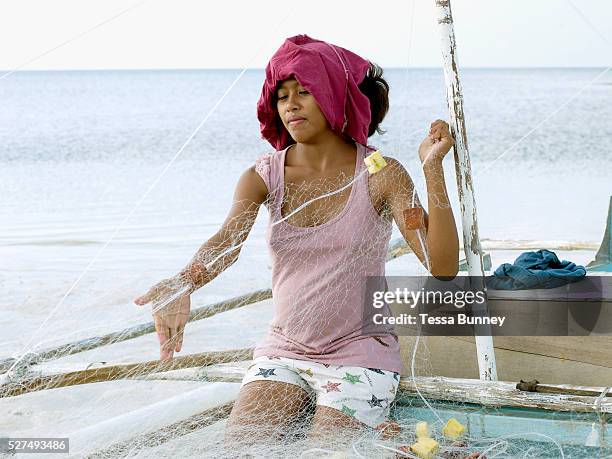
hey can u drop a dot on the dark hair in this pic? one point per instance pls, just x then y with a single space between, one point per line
376 89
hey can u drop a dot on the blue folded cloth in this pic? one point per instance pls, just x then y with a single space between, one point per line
541 269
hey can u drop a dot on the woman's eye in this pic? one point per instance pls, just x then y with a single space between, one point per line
301 93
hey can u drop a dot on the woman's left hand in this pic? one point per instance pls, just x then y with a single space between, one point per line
437 143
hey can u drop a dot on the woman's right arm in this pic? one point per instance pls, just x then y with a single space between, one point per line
221 251
170 298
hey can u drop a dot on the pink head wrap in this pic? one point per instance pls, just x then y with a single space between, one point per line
331 74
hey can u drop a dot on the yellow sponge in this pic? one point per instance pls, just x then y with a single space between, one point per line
375 162
425 447
453 429
422 429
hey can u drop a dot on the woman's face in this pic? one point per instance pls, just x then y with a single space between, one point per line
299 112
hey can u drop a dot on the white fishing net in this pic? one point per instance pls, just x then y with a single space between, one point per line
62 383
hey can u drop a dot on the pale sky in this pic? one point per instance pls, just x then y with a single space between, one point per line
238 34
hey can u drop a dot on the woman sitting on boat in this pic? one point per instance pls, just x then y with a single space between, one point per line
318 106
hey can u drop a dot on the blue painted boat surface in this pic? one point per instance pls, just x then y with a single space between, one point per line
543 431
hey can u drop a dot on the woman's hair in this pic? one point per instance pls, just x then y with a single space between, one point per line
376 89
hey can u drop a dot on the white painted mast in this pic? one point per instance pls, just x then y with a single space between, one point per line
471 242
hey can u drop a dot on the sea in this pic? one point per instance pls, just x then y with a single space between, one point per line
108 186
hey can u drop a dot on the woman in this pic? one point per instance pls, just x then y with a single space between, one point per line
319 104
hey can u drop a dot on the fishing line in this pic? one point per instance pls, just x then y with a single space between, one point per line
603 37
70 40
412 374
536 434
419 176
405 79
532 130
589 23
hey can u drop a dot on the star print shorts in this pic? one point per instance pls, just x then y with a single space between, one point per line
362 393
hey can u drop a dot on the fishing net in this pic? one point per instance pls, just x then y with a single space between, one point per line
89 369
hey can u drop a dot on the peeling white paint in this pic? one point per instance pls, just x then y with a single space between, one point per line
471 243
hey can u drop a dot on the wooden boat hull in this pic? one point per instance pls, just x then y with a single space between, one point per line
576 360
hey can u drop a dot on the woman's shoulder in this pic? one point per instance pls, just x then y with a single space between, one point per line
392 162
262 164
263 167
390 179
392 170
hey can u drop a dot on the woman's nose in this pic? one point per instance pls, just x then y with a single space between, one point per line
292 101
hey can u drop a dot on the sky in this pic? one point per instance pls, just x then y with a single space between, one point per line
237 34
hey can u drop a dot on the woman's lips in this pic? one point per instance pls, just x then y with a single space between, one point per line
296 121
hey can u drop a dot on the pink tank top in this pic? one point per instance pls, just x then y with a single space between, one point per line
319 275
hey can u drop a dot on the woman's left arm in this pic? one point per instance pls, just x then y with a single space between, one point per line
437 231
442 240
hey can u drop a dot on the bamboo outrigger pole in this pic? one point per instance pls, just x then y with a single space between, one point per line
471 243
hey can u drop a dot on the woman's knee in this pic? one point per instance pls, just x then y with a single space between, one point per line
330 422
264 410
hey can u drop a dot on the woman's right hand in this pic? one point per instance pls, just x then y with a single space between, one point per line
170 313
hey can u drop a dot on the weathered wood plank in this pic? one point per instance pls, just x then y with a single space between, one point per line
547 359
535 386
124 371
494 394
500 394
594 350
